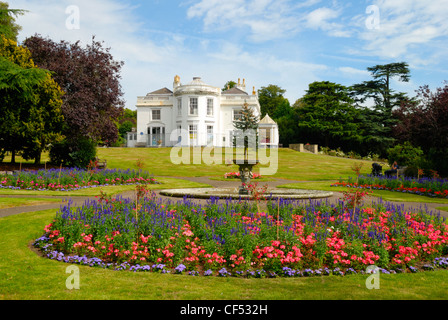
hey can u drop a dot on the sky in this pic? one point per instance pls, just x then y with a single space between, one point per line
281 42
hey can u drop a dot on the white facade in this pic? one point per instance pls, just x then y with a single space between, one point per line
195 114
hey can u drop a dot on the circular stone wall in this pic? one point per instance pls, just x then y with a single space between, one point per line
205 193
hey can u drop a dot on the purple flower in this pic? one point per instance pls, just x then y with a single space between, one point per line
180 268
223 272
208 272
413 269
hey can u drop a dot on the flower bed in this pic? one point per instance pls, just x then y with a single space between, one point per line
236 175
233 239
436 188
68 179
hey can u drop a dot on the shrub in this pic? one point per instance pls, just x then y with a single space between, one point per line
405 155
73 154
411 172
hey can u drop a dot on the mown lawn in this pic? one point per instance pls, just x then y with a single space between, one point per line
20 202
24 275
290 164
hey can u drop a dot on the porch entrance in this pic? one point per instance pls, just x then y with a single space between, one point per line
156 136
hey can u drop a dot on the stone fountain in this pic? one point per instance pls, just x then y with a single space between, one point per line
241 192
245 170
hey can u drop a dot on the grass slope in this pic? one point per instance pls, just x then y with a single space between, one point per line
292 165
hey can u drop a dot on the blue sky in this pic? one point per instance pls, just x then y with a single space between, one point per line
281 42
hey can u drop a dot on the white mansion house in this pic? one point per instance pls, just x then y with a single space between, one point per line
196 114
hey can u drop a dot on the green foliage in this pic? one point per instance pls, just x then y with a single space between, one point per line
77 153
126 121
378 121
17 79
8 27
273 103
424 122
229 85
405 155
327 116
30 117
379 88
375 134
125 127
438 160
271 98
246 129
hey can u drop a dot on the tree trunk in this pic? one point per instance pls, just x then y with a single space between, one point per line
37 158
13 156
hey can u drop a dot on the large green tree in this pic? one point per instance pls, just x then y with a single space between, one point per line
328 117
376 137
30 104
271 97
378 118
286 118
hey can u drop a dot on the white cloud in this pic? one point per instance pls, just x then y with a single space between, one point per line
312 39
264 19
406 26
327 20
354 71
319 17
112 22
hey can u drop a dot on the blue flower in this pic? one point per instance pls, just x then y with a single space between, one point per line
208 272
223 272
180 268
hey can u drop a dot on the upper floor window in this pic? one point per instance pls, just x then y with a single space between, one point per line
210 107
155 115
237 115
179 107
193 106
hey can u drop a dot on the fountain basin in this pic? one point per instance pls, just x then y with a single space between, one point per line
233 193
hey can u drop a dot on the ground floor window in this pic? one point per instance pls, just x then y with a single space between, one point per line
193 131
265 135
179 134
209 135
